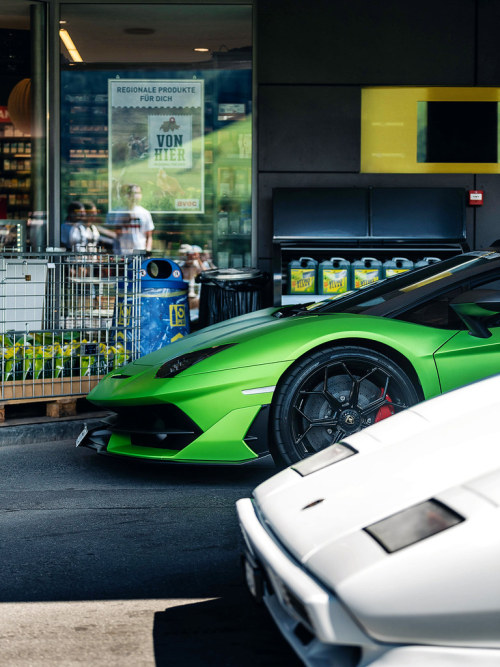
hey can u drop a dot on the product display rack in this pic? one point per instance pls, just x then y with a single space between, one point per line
233 227
356 224
15 176
232 175
325 249
86 126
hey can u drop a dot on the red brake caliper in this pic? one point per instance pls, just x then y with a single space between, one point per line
386 410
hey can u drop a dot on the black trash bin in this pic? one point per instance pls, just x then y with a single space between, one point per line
227 293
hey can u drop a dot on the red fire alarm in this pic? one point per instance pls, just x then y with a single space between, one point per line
476 197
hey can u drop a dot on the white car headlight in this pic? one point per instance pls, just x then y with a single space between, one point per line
327 457
413 524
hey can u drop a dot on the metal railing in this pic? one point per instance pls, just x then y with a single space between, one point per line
66 319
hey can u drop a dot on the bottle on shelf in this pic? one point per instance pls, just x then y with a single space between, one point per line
396 265
334 276
302 276
365 271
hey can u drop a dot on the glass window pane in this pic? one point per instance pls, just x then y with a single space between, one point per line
458 132
156 133
22 126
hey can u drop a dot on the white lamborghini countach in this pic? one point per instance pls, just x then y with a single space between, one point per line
384 549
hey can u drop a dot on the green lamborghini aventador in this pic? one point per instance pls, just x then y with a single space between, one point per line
295 379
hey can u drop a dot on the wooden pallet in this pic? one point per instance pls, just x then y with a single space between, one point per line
54 407
59 396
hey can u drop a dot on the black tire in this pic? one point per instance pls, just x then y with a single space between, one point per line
332 393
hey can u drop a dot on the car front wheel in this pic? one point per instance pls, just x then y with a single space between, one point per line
332 393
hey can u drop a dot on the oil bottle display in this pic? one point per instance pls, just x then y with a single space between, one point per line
302 276
338 275
334 276
365 271
396 265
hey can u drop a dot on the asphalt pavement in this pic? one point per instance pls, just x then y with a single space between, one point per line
112 562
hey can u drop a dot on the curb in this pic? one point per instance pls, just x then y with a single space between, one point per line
66 429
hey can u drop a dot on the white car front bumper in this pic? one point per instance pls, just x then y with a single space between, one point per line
316 623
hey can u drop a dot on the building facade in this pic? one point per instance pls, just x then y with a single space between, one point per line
394 102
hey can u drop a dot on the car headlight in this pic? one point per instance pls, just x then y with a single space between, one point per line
327 457
175 366
413 525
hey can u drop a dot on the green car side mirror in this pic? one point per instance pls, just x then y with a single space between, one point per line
473 306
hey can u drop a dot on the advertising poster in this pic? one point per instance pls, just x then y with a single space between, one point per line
156 141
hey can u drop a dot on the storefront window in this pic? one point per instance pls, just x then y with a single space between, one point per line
156 128
22 127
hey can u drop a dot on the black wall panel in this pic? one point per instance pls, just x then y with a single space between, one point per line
309 128
488 53
14 60
487 217
368 42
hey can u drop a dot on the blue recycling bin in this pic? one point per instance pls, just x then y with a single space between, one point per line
164 304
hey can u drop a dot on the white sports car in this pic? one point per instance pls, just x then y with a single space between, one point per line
384 549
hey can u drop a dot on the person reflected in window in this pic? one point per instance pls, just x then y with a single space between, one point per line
92 219
125 227
76 234
138 234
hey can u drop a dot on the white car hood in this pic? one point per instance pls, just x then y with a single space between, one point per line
418 454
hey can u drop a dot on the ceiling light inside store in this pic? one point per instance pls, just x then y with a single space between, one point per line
201 49
70 46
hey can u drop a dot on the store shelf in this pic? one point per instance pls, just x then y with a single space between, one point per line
85 130
286 252
15 174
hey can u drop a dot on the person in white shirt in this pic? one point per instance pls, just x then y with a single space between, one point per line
136 230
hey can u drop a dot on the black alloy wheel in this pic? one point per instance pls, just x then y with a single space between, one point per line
331 394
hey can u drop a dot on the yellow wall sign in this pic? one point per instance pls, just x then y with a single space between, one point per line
392 124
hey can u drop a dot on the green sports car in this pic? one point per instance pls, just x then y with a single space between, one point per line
296 379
